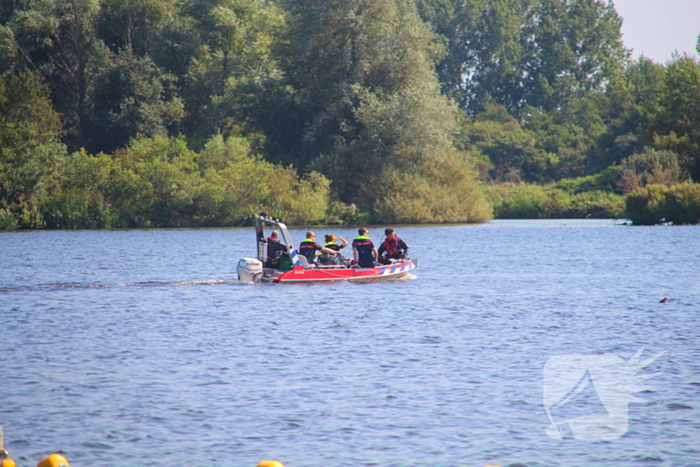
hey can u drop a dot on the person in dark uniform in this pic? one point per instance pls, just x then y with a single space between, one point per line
309 247
363 250
275 250
392 247
332 243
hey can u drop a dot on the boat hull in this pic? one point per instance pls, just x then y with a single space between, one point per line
381 273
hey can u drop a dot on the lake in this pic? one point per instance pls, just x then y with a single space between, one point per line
139 347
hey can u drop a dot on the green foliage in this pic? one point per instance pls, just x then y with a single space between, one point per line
511 150
522 201
653 204
607 180
377 125
133 24
265 111
8 221
677 124
536 53
76 210
214 46
58 39
650 167
8 50
160 182
133 99
569 133
344 88
29 150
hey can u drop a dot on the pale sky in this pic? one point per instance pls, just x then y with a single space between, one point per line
657 28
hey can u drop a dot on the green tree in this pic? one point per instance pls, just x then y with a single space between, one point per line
570 133
527 52
58 39
217 46
134 24
375 121
8 50
676 125
512 150
30 151
626 108
131 98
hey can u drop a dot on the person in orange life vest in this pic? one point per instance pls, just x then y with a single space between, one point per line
392 247
309 247
363 250
275 250
332 243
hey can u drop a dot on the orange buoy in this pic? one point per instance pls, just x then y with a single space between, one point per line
54 460
270 464
5 459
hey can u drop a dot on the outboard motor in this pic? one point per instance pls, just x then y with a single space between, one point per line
249 270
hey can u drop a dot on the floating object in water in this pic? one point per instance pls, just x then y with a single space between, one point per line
664 300
270 464
5 459
54 460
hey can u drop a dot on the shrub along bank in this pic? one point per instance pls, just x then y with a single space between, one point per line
647 205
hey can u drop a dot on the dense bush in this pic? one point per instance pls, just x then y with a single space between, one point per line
76 210
653 204
524 201
160 182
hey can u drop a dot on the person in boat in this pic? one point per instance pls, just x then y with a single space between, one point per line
363 250
392 248
332 243
275 250
309 247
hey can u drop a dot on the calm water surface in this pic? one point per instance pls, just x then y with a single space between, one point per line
125 348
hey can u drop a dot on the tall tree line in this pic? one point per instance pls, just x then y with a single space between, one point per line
404 105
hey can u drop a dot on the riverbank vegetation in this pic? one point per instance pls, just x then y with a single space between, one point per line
156 113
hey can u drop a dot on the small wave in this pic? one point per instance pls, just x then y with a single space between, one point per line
651 459
207 282
43 287
674 406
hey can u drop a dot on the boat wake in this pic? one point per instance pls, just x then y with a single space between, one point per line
406 278
59 286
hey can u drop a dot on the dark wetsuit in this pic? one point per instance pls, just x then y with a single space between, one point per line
333 246
273 246
309 248
327 258
275 250
392 249
364 247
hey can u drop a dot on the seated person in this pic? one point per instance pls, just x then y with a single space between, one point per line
393 248
363 250
275 250
309 247
332 243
